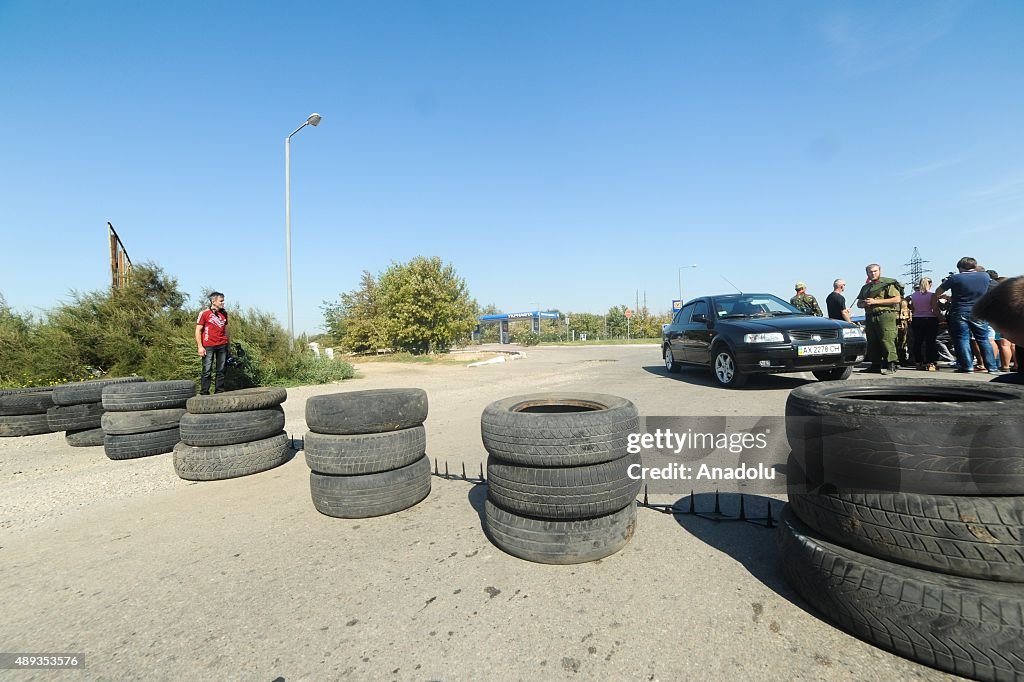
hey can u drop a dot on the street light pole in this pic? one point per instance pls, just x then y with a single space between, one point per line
680 273
313 120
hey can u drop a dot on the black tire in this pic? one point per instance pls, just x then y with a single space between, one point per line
75 417
969 627
724 368
366 453
836 374
24 425
558 429
135 445
86 438
150 395
671 365
242 400
559 542
929 437
143 421
88 391
974 537
359 497
16 404
29 389
228 428
230 461
581 492
373 411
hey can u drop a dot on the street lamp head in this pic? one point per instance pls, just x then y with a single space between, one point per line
313 120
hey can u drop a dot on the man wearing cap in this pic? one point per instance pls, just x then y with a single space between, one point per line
804 302
880 298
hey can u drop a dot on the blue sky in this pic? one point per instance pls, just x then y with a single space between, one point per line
558 154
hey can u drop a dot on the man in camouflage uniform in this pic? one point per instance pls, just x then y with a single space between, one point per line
880 298
804 302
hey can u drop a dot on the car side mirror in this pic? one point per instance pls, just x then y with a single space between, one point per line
699 317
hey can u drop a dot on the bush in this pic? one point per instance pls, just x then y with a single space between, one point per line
306 368
525 337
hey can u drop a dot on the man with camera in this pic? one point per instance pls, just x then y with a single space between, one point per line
212 340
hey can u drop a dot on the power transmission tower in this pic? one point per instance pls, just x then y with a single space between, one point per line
917 269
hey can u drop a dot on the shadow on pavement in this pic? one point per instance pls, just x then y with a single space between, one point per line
701 376
477 496
752 546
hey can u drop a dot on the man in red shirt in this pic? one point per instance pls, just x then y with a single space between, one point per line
212 341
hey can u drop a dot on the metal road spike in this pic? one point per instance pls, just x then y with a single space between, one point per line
482 479
446 468
768 521
464 472
645 495
436 472
693 509
718 508
743 511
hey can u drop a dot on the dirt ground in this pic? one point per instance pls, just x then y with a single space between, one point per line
152 577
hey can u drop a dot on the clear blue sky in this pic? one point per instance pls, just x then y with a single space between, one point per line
558 154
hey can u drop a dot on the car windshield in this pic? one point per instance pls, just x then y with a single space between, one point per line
752 305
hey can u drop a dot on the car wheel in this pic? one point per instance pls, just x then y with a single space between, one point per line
837 374
725 369
670 364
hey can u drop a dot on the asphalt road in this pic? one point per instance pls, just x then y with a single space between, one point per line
151 577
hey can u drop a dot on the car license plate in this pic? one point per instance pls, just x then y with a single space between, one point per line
824 349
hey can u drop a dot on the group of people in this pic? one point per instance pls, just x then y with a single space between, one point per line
982 312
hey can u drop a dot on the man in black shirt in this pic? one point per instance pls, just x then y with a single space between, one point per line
836 302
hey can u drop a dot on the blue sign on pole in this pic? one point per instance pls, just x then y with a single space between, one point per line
677 304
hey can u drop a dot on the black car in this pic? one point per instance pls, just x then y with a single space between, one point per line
737 335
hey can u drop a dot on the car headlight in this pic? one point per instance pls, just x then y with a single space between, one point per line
853 333
771 337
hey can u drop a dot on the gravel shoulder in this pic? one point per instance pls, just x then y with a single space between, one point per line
154 577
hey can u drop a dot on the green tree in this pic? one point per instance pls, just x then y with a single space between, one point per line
587 323
356 321
425 306
616 321
490 331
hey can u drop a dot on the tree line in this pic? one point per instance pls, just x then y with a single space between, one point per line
146 328
423 306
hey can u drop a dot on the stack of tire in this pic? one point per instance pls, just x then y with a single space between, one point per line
23 411
558 485
914 540
366 451
141 420
78 409
232 434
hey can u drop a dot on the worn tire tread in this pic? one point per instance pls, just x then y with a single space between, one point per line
230 461
364 453
368 495
968 627
974 537
563 492
547 541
